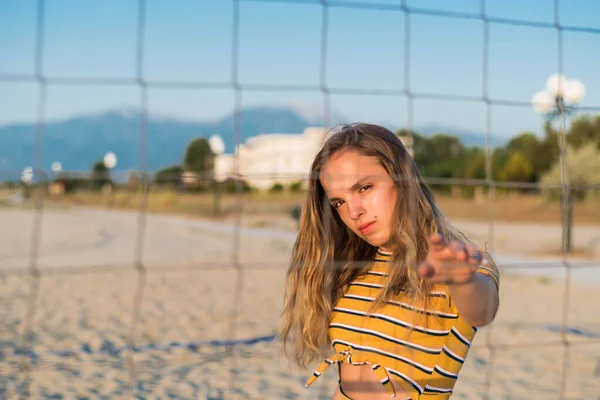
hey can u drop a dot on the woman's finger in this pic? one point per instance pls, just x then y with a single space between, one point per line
459 250
426 271
436 242
475 255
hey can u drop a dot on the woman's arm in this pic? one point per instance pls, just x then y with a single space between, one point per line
471 277
477 301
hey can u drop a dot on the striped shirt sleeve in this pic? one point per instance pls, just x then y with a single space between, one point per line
490 268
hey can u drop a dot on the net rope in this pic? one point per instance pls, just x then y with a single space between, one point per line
43 81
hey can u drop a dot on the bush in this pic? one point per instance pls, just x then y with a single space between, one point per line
72 184
230 186
197 188
277 187
296 187
582 169
517 169
169 176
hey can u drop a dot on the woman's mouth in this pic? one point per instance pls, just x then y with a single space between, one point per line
366 228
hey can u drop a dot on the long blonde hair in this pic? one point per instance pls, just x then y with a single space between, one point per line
327 255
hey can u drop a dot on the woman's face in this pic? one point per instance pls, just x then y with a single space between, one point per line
363 194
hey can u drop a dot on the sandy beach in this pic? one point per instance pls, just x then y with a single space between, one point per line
102 329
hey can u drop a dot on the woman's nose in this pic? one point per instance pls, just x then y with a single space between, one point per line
356 209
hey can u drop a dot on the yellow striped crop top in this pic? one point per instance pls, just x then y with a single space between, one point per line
425 362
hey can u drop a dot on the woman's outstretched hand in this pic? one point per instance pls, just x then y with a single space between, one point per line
450 263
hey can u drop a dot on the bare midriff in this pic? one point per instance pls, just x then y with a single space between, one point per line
360 383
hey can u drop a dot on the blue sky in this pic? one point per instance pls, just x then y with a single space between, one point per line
280 44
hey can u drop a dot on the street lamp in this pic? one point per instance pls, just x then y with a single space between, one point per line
110 160
217 146
27 175
26 178
558 101
56 167
561 96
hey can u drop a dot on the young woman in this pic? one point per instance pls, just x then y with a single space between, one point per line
381 276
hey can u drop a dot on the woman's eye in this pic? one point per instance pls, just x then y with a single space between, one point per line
362 189
337 203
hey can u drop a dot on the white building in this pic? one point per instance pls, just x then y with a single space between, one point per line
274 158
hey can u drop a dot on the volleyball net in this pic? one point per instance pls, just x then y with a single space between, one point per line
30 365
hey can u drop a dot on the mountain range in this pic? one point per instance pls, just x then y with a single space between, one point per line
79 141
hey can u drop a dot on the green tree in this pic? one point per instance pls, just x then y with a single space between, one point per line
499 159
448 153
548 154
474 163
517 168
441 156
473 168
296 187
584 130
422 151
532 149
198 157
582 167
170 175
100 175
276 187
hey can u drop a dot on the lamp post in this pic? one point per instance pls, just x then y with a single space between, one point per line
218 148
56 167
57 187
26 179
558 101
110 161
27 175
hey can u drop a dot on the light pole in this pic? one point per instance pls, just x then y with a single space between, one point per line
56 167
27 175
557 102
218 148
57 187
110 161
26 179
